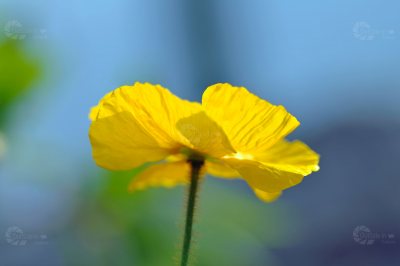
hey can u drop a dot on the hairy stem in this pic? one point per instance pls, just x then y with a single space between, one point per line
194 182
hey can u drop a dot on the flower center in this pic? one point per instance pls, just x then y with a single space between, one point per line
192 155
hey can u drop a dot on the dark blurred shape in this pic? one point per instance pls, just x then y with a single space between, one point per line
205 44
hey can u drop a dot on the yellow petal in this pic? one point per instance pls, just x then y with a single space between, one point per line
155 108
95 110
205 135
120 143
165 175
294 157
251 124
176 157
220 169
262 177
267 197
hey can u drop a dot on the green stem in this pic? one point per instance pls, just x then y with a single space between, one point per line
194 181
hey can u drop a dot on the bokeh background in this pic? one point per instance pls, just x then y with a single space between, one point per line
334 65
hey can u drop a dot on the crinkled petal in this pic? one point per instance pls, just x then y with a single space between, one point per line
164 175
120 143
205 135
266 196
251 124
220 169
155 108
95 110
262 177
295 157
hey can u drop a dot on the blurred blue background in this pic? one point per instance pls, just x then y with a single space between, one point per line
333 64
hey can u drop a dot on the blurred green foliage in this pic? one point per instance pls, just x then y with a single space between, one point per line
145 228
17 73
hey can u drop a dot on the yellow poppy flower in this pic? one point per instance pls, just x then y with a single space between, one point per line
234 131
